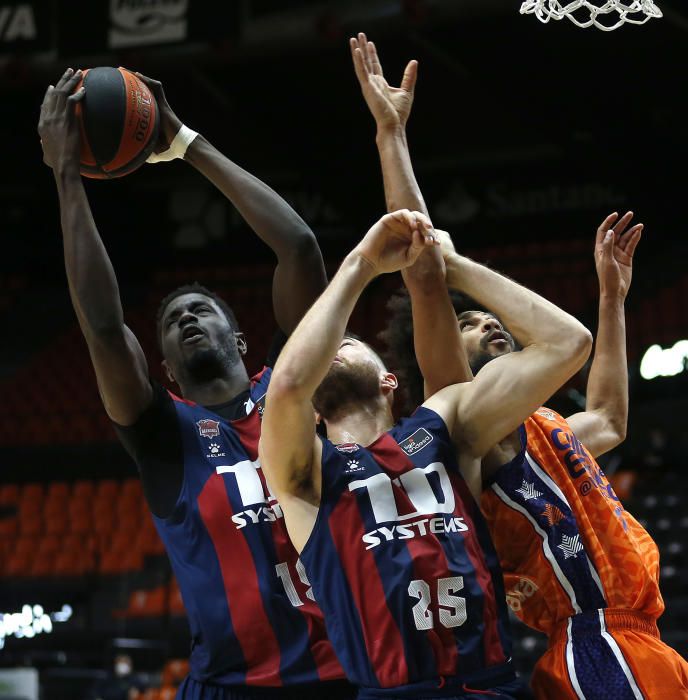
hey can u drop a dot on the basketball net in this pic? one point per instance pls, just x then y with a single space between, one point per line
603 14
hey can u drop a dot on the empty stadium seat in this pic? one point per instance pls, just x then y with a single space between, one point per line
174 672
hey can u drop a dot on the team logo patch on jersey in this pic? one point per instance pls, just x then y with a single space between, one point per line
347 447
215 451
416 442
208 428
353 466
545 413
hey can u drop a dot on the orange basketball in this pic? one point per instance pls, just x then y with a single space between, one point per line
118 117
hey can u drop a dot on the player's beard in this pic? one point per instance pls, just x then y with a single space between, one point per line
482 356
215 362
346 385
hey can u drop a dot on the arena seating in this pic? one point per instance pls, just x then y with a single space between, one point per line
53 399
102 529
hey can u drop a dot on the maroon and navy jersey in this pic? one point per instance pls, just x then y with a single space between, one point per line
251 610
401 561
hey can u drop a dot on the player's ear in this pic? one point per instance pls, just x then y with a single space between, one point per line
388 382
168 371
242 346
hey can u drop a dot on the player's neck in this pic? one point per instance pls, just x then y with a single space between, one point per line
218 390
360 423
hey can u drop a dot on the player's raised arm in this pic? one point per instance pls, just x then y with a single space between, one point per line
602 426
288 445
511 387
119 362
437 339
300 274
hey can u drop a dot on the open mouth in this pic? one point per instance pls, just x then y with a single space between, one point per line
192 334
498 336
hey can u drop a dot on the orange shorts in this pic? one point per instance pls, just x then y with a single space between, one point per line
609 654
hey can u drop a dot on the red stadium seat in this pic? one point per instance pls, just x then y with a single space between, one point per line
58 490
18 565
176 604
80 521
70 562
49 543
113 562
107 489
56 524
30 524
83 489
143 603
8 527
27 545
42 564
9 494
174 672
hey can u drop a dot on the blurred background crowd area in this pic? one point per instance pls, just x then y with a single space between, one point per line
523 136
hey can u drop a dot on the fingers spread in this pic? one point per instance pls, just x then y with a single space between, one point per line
621 224
633 238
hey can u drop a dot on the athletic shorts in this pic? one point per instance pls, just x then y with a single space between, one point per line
609 654
495 684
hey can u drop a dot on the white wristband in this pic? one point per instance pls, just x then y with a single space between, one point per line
177 148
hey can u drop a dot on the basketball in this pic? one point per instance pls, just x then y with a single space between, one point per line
118 118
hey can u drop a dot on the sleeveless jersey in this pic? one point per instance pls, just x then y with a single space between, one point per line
565 542
251 611
401 561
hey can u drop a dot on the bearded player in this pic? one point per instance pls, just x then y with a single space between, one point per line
577 566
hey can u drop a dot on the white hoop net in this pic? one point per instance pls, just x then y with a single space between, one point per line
603 14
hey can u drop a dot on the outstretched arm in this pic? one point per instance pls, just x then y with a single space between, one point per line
438 344
288 447
602 426
118 360
300 274
509 388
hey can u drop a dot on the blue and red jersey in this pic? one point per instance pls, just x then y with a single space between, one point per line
251 611
401 561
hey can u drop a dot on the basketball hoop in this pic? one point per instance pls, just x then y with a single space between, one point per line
603 14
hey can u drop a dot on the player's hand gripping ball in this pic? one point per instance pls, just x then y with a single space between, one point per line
118 118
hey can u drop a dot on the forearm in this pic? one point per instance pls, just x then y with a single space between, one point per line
437 340
607 390
401 188
436 336
309 352
530 318
90 275
268 214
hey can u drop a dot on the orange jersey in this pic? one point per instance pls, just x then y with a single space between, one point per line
565 542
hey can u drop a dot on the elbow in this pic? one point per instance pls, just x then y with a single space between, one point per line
618 428
304 243
286 387
103 330
580 346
